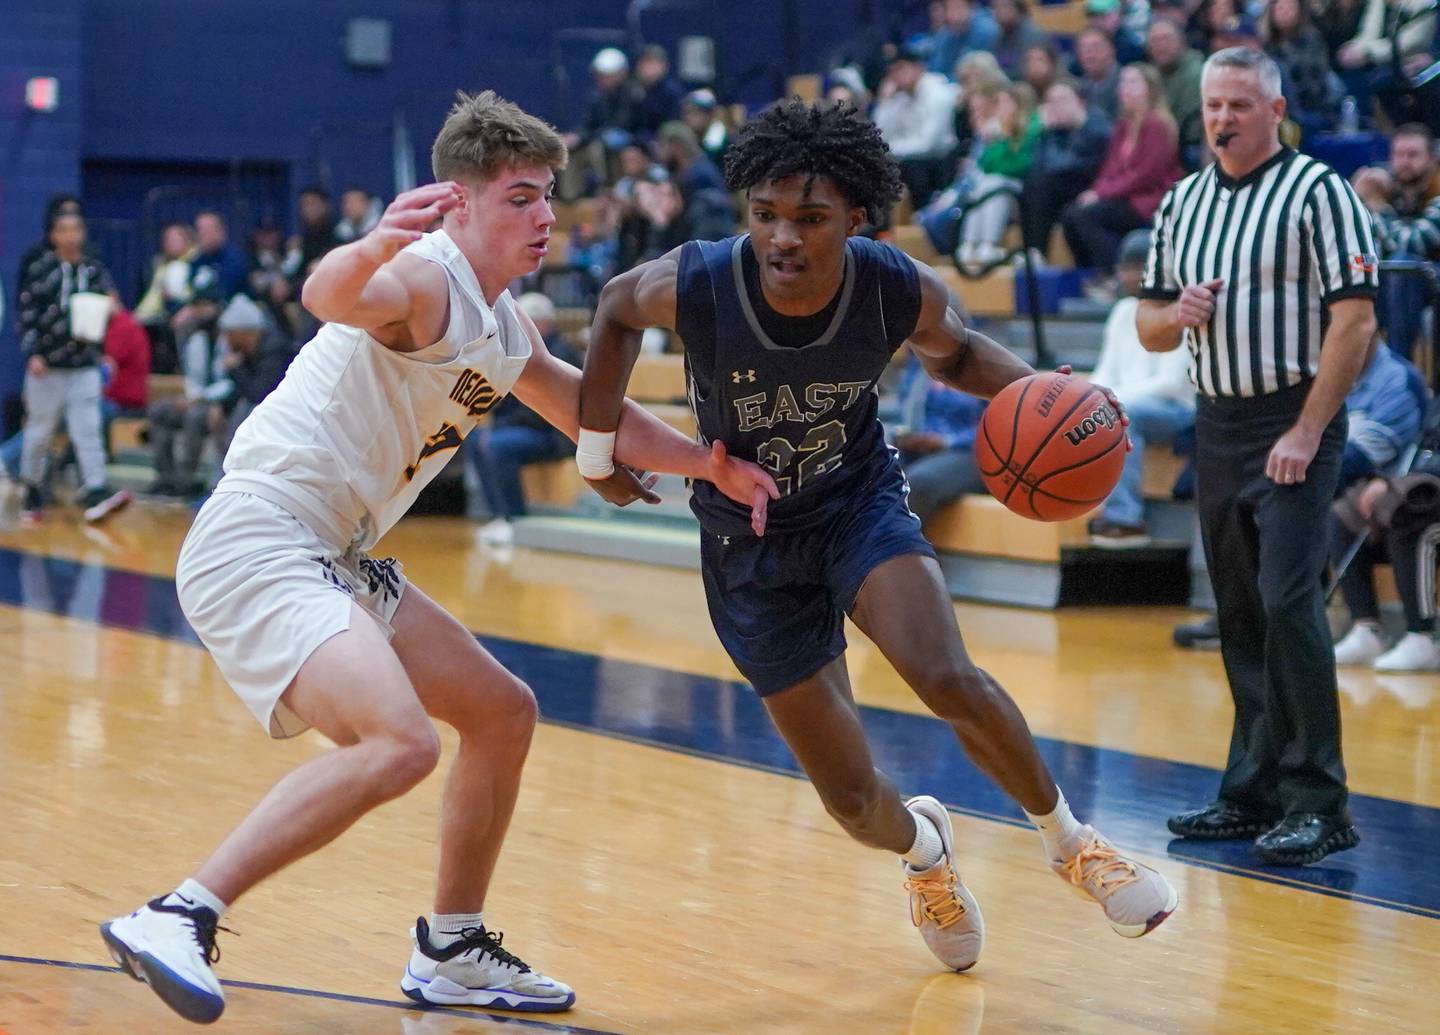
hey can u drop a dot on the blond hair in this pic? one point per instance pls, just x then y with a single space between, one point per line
485 133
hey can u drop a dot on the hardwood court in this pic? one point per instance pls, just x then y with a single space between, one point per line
664 860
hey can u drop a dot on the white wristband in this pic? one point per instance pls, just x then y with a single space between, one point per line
595 454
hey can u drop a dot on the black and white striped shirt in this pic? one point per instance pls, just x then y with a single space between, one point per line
1288 239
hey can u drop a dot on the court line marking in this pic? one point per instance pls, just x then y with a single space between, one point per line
494 642
1267 876
474 1013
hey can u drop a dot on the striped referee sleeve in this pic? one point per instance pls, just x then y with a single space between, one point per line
1159 283
1341 242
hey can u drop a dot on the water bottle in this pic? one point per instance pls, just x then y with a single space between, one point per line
1349 115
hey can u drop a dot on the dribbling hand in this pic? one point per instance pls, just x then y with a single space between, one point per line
1112 399
1196 304
407 218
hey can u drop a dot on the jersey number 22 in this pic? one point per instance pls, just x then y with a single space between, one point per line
819 452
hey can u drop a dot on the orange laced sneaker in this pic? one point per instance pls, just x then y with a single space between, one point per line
940 905
1136 898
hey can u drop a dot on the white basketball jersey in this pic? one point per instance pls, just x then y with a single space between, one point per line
356 430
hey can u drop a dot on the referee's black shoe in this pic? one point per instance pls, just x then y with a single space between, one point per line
1219 821
1305 838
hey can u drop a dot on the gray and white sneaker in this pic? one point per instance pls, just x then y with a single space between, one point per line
170 948
478 971
940 905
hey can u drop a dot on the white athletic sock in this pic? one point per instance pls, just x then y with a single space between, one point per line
445 928
1059 829
198 895
928 849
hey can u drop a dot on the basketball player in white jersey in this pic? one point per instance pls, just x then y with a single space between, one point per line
422 340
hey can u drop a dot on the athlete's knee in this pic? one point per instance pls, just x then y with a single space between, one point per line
854 803
402 757
503 712
961 694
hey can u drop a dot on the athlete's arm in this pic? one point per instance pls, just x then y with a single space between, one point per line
951 352
643 297
552 388
358 284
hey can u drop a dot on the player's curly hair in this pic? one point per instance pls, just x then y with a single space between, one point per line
821 139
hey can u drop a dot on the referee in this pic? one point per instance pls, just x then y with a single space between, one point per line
1263 265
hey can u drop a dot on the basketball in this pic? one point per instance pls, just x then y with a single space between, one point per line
1050 447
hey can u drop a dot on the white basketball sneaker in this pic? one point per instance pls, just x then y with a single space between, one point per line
170 948
1136 898
477 971
1360 646
946 913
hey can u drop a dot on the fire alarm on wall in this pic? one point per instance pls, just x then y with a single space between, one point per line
42 93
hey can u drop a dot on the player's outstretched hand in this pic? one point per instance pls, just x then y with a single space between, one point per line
407 217
626 485
746 483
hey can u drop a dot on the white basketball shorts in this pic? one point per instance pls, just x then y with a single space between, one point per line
263 591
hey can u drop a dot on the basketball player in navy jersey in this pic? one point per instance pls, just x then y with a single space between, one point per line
786 331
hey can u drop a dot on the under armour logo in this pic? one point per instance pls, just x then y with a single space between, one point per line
748 376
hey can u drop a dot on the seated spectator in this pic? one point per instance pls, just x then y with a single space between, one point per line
360 212
1068 153
609 119
1405 214
169 288
1179 67
1109 17
1400 514
936 440
516 436
126 371
925 41
846 87
1365 60
1141 164
218 272
1017 34
1338 22
969 27
268 282
252 366
1313 90
1098 71
1040 67
1009 148
915 115
708 211
179 426
1154 388
1384 409
657 101
702 114
978 82
62 371
316 236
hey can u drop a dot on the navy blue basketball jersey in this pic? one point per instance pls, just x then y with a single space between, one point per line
805 411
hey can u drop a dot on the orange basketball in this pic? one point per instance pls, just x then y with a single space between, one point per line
1050 447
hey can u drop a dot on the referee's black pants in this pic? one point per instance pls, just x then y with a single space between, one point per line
1266 546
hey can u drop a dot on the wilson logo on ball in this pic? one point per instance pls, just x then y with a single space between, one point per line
1102 417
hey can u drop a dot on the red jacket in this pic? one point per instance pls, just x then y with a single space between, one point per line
1142 176
128 347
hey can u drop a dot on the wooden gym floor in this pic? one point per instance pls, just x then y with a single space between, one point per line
664 858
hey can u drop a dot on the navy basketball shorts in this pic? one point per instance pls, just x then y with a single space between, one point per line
779 602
